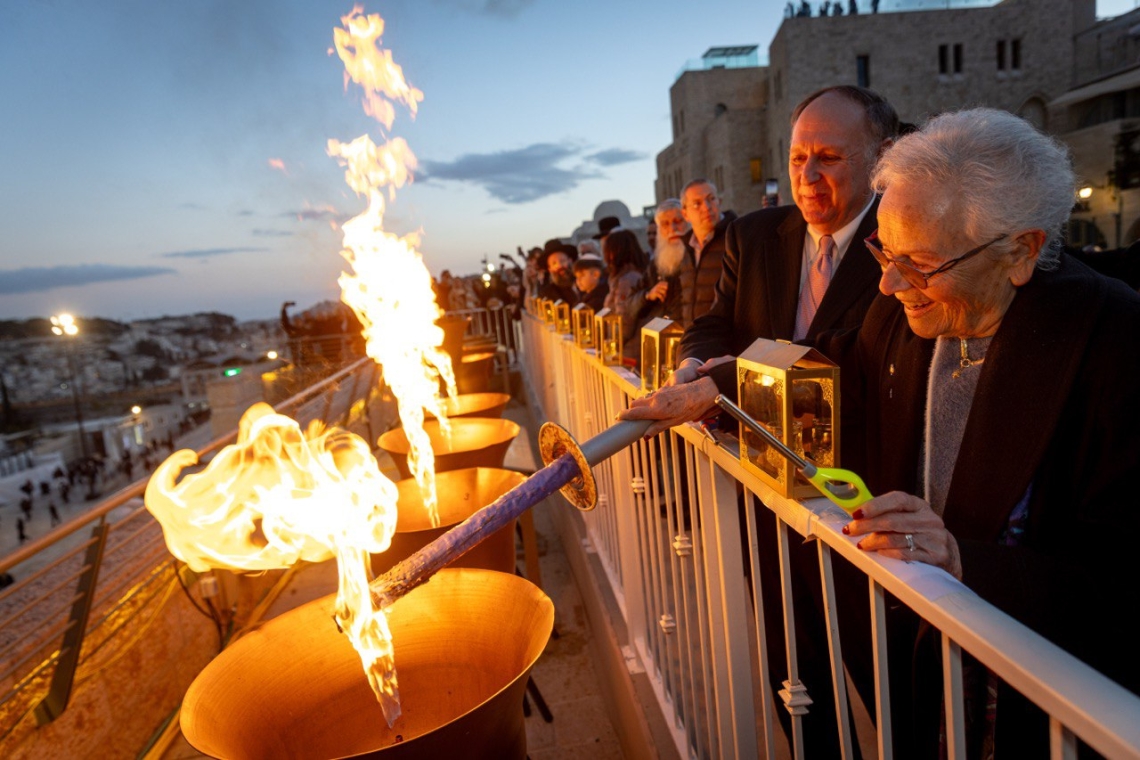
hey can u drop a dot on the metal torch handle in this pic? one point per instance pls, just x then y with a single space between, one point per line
746 419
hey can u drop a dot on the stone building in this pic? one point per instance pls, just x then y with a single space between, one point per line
719 133
1099 118
1017 55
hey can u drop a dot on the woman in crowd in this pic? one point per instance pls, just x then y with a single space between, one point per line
625 262
993 407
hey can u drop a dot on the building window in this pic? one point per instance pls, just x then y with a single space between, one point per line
863 70
682 121
779 85
718 178
676 131
958 58
943 59
1001 55
756 170
1015 54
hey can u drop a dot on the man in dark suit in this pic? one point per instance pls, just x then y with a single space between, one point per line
791 273
794 271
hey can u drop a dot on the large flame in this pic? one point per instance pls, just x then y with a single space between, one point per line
277 496
391 289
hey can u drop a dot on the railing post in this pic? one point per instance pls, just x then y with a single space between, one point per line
55 701
735 716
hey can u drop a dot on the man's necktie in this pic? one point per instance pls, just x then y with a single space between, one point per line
812 292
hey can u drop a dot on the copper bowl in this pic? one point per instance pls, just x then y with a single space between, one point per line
476 405
294 688
475 442
460 493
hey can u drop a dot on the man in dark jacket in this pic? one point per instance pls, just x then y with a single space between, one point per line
700 268
791 272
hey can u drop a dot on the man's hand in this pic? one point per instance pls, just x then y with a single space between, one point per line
658 291
673 405
690 370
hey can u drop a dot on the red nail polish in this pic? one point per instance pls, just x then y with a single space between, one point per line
859 545
846 530
857 514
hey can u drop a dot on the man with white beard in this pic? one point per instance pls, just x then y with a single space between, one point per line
663 297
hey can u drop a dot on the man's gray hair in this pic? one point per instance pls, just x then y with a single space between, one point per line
698 181
589 246
1001 174
669 204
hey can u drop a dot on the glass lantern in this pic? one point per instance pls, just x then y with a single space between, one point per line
547 306
582 320
794 392
660 347
608 336
562 317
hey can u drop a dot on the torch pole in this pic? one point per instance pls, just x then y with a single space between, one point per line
565 468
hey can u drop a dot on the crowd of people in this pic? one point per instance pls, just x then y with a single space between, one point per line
987 383
675 279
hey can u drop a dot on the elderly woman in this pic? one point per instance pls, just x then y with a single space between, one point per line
993 391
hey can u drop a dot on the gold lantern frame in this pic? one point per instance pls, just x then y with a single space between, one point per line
608 337
562 317
582 322
547 307
794 392
660 349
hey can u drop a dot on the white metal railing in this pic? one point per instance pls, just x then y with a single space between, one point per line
678 537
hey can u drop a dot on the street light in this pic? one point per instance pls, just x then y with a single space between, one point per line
64 326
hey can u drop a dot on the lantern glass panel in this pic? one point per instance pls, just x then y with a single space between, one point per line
649 370
762 396
562 317
670 356
813 417
583 320
611 339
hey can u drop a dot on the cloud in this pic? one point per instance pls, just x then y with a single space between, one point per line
504 8
528 174
39 279
615 156
272 233
202 253
514 176
319 214
193 206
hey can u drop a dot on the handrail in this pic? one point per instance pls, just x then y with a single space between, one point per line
670 543
136 489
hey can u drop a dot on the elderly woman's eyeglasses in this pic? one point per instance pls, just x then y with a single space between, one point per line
919 279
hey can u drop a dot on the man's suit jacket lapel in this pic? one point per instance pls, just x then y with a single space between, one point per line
857 274
783 275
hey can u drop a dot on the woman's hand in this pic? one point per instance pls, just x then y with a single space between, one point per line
887 520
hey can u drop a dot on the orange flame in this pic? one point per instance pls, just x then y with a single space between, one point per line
390 289
372 68
277 496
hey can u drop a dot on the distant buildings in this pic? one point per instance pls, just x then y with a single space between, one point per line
1049 61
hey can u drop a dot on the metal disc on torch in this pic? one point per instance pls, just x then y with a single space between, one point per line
554 441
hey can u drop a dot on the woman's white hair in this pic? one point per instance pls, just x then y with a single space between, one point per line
1001 174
